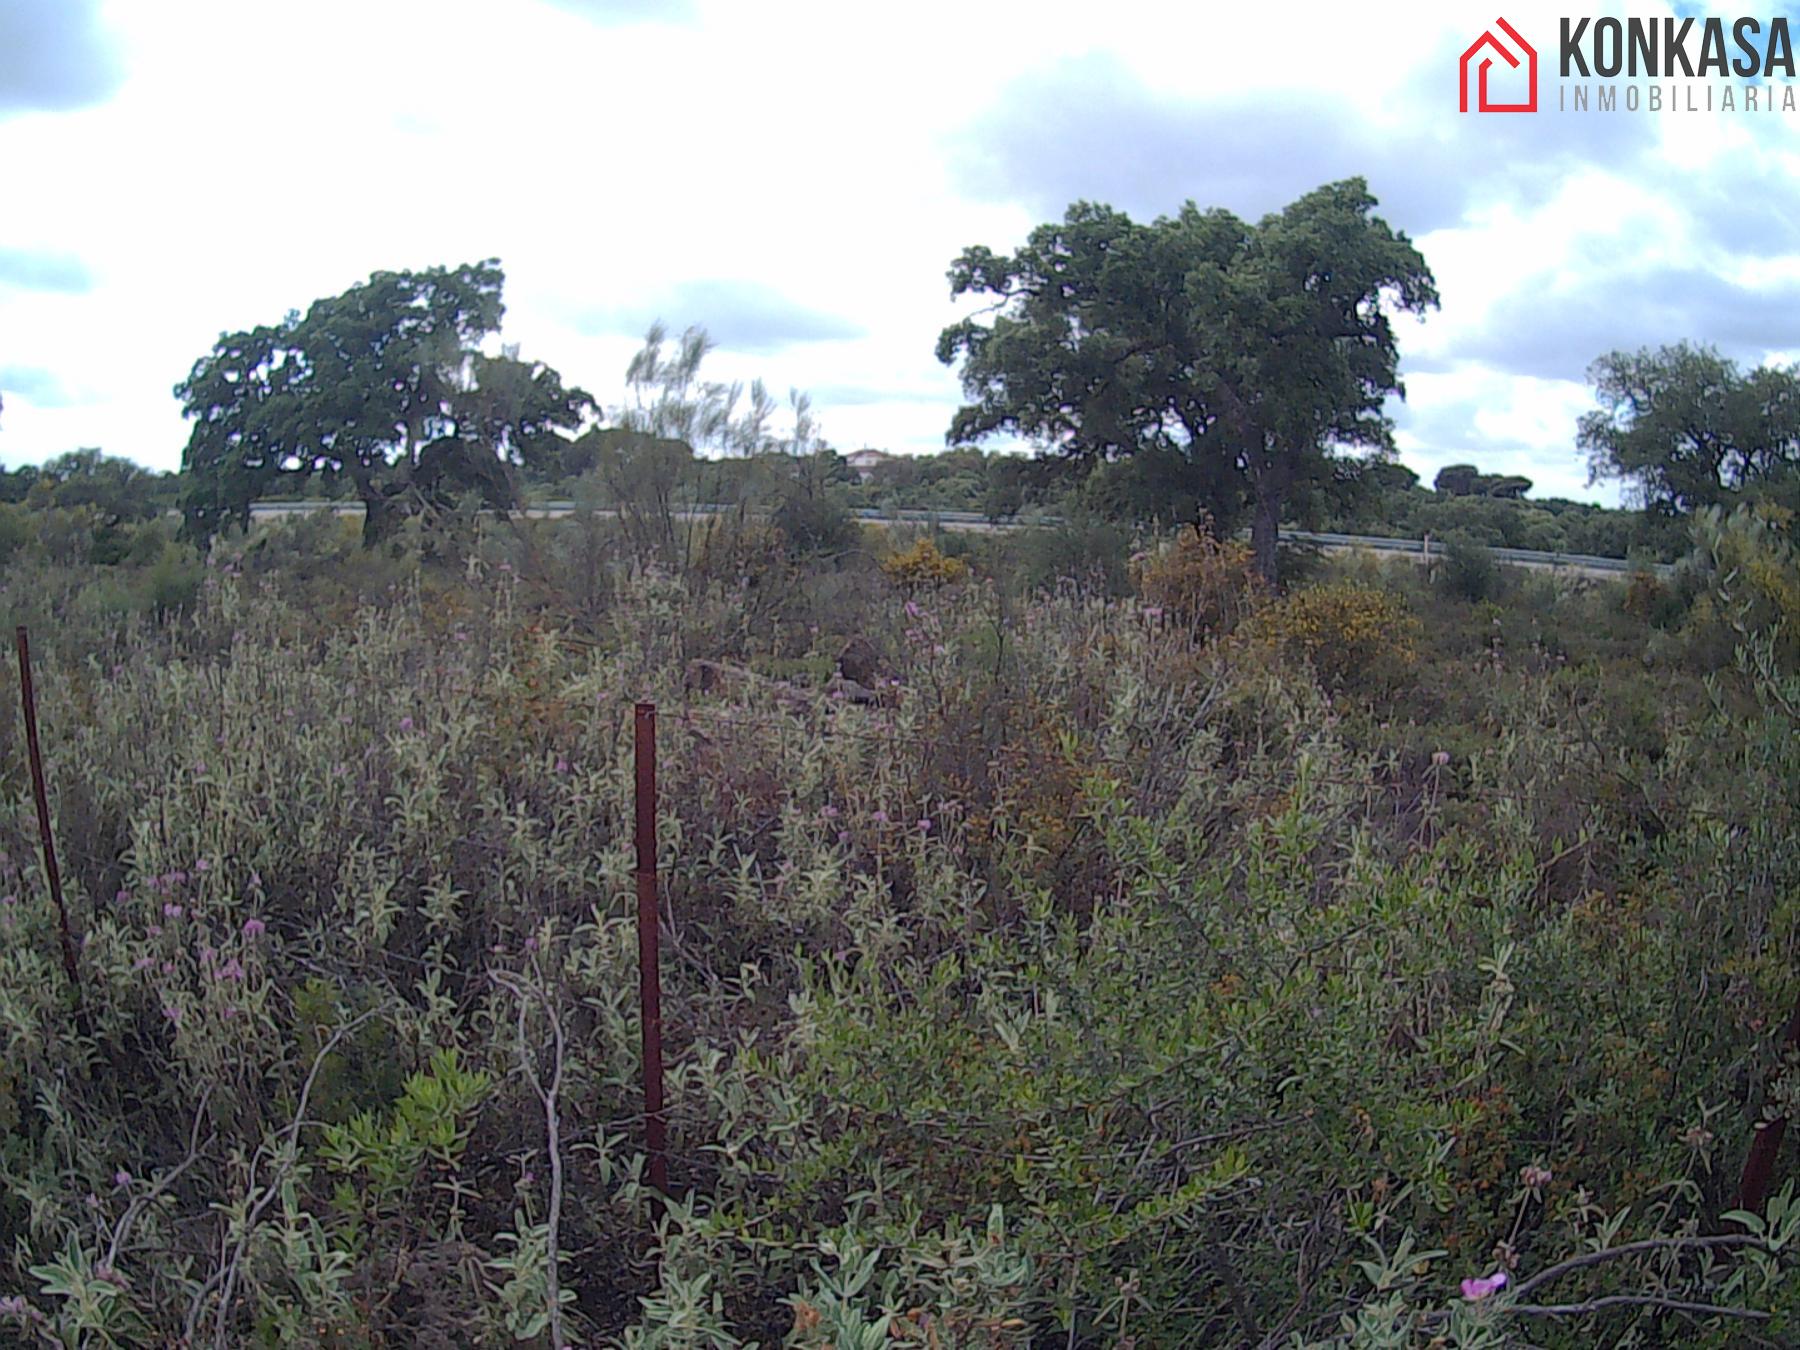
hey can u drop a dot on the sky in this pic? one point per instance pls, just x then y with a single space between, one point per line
797 176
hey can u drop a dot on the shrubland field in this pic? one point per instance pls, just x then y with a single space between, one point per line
1128 955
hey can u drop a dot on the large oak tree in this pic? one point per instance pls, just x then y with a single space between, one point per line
1243 356
386 386
1686 428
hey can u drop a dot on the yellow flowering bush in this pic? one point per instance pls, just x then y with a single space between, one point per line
1353 637
924 564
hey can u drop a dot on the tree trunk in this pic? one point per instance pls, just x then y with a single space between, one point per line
380 518
1265 533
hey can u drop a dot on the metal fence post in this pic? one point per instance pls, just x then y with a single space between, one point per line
28 702
649 954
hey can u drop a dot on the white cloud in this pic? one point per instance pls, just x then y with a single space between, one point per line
257 157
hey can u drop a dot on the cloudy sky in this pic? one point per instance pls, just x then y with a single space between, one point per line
797 176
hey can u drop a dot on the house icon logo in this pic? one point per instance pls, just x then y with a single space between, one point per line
1480 57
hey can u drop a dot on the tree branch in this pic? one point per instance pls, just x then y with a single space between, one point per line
1634 1249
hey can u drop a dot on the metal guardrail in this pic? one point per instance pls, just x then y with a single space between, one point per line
1529 557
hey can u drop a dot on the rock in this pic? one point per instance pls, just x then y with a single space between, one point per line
859 662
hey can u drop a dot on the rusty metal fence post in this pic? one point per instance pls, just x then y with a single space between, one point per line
28 702
649 954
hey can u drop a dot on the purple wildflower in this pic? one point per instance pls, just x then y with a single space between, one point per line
1475 1290
171 910
121 1178
254 928
406 724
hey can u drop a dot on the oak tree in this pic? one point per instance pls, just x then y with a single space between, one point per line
1685 428
1238 357
386 386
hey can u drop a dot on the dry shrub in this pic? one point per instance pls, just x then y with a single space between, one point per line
1355 638
1645 597
1207 582
924 565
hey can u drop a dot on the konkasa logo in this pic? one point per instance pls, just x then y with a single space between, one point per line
1478 60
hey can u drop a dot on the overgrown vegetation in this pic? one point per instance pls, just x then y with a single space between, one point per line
1132 957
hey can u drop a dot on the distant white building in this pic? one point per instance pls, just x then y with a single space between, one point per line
866 462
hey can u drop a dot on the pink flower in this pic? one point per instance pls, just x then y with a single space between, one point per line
829 812
201 865
1475 1290
254 928
154 930
171 910
1153 611
171 1012
1440 758
121 1178
121 897
880 817
1535 1177
143 963
912 610
562 765
406 724
925 825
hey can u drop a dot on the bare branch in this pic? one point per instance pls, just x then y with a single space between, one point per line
286 1156
1633 1301
1635 1249
548 1094
122 1229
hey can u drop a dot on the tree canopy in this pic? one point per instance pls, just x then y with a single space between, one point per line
387 386
1235 358
1686 428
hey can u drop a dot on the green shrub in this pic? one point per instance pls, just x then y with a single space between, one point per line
1469 569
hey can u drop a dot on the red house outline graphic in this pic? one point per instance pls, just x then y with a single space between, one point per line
1488 39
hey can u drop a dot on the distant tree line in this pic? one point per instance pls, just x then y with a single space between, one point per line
1199 368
